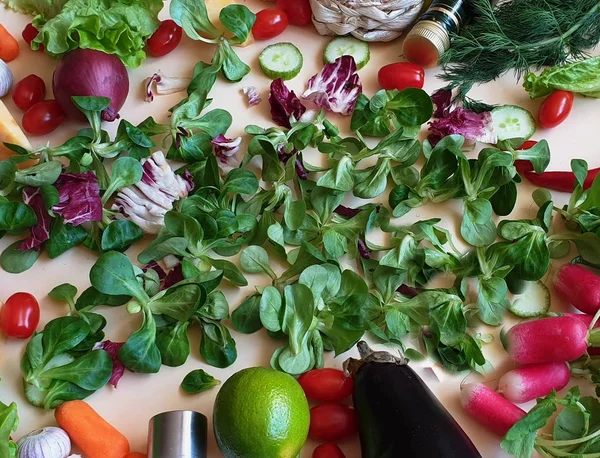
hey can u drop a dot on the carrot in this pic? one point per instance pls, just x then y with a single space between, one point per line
9 48
135 455
90 432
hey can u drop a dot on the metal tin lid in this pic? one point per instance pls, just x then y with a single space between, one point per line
433 32
177 434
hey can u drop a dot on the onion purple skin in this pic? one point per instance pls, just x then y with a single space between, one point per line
87 72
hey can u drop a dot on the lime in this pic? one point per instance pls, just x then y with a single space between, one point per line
261 412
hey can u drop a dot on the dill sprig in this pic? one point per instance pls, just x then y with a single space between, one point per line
520 35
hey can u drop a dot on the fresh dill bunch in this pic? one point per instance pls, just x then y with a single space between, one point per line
520 35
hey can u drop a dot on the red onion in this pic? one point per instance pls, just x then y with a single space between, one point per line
88 72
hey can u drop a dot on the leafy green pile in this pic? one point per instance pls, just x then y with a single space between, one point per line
118 27
576 431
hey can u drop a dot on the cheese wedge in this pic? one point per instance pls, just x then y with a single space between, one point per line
214 7
10 132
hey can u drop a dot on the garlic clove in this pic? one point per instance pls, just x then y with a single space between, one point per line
6 78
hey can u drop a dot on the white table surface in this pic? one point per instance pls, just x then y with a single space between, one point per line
139 397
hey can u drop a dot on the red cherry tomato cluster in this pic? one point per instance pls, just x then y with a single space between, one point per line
330 421
401 75
165 39
555 109
298 11
273 21
19 316
41 116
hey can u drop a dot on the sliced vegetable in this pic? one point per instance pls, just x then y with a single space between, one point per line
43 117
347 46
489 408
49 442
165 39
281 60
546 340
87 72
533 301
332 422
90 432
397 413
511 121
401 75
29 91
326 385
533 381
269 23
578 286
19 316
555 109
9 47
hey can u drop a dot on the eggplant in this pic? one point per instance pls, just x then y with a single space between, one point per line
398 415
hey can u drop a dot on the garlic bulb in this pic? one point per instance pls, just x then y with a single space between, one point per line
6 78
50 442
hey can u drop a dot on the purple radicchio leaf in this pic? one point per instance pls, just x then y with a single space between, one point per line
79 198
442 99
252 94
284 104
363 250
159 84
225 150
475 127
336 87
40 232
147 202
167 279
301 171
347 212
112 348
407 291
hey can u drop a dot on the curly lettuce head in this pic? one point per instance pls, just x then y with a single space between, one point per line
118 27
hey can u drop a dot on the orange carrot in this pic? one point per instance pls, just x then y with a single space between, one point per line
90 432
135 455
9 48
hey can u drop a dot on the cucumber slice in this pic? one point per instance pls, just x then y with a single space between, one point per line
511 121
535 301
347 46
281 60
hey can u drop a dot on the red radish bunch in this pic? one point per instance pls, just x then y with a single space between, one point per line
579 286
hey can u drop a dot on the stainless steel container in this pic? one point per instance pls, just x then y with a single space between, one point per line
177 434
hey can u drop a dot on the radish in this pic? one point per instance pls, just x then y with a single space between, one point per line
547 340
489 408
585 318
534 381
579 286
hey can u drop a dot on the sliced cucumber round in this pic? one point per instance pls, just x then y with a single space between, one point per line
511 121
347 46
533 302
281 60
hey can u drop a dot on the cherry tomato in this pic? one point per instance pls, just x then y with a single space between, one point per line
298 11
269 23
165 39
328 451
326 385
528 144
332 422
19 316
555 109
29 91
43 118
401 75
29 34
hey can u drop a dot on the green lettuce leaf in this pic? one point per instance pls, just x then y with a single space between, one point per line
582 77
113 26
9 420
